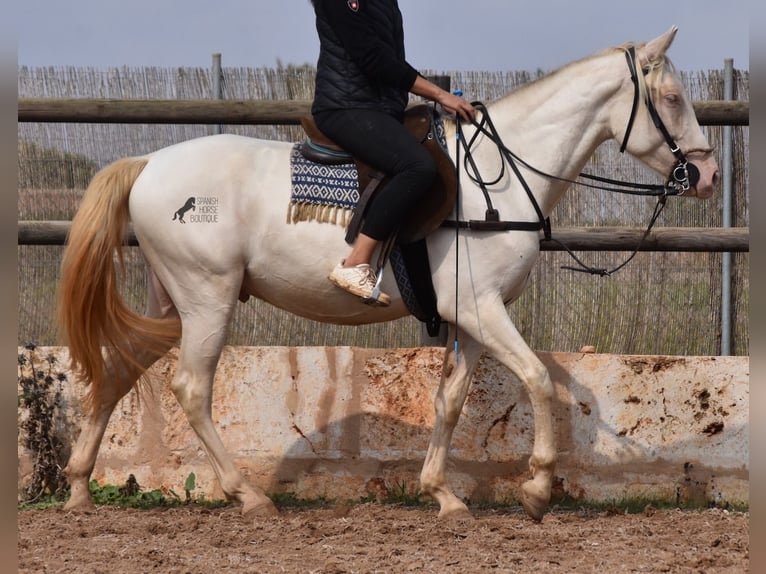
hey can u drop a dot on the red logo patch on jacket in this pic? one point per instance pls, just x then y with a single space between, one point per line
353 5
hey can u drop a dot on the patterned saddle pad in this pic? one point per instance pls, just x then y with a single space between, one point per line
324 193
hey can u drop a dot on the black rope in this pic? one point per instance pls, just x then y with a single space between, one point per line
683 175
633 188
631 58
584 268
492 220
458 133
492 217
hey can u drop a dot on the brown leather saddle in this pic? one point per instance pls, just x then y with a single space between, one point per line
437 203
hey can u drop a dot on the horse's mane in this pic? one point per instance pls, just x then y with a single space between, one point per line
654 69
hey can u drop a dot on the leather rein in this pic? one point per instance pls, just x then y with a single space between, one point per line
683 176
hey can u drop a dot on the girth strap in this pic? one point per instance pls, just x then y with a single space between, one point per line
485 225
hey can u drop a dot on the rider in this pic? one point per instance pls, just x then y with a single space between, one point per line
362 89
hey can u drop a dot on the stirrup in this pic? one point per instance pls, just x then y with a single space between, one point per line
383 256
374 298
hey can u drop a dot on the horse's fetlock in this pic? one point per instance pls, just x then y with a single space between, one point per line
542 463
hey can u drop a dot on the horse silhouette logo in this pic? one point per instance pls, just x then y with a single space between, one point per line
190 204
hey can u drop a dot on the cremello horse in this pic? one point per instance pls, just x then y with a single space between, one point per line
198 272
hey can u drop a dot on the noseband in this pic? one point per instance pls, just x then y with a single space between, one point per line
684 174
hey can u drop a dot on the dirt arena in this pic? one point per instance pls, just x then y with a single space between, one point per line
381 538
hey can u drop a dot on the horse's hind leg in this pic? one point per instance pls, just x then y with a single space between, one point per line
84 453
203 339
453 390
83 456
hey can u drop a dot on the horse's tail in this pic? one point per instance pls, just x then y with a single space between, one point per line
91 312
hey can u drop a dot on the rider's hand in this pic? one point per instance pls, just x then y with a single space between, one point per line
455 104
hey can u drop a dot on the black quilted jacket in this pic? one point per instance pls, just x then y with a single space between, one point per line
361 57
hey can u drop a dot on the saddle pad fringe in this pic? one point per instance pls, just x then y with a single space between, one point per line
305 211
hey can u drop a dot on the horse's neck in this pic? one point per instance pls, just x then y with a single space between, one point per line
556 123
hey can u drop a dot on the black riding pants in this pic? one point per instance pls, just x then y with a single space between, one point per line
383 142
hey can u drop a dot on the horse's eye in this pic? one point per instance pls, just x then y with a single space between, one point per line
672 99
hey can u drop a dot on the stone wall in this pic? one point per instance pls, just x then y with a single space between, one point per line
345 423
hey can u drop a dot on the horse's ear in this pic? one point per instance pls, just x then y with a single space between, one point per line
655 49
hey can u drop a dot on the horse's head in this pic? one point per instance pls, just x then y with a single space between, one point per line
661 128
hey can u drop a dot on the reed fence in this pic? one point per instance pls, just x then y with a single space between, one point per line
664 302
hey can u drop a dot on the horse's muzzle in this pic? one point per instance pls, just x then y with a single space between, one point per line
690 179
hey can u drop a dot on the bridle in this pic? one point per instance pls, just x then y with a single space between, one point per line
683 176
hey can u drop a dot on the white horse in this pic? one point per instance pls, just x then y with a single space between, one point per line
198 272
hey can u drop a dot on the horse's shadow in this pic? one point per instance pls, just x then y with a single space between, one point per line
601 456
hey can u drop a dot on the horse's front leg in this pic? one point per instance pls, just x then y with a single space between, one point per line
457 371
503 341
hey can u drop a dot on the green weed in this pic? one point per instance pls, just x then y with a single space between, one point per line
130 495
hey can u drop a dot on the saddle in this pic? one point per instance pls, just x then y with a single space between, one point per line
437 203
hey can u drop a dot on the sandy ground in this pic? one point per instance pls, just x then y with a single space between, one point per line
380 538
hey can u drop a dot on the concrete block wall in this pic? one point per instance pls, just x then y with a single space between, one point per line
347 423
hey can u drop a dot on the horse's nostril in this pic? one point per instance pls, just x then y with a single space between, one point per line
716 178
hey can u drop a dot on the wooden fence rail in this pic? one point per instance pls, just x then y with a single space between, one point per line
688 239
251 112
274 112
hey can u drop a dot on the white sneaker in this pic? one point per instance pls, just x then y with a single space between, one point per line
359 280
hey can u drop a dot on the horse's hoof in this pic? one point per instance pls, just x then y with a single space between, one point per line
83 506
535 500
260 510
455 513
